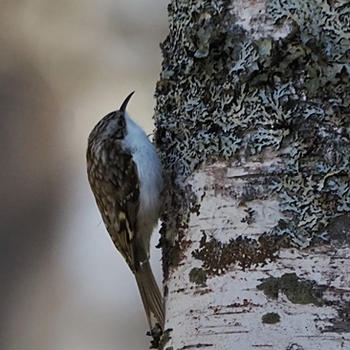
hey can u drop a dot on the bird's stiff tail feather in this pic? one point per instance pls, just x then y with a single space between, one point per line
150 294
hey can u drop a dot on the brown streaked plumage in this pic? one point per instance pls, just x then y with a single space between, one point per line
115 157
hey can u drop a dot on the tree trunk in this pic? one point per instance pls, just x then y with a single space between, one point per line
252 123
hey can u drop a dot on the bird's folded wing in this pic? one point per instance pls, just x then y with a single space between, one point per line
118 201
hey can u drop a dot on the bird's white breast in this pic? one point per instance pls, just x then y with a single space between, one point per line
149 172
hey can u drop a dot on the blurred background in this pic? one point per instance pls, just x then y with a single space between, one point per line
63 66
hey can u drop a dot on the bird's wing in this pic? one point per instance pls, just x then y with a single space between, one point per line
116 189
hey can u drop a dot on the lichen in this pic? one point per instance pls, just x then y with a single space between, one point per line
270 318
298 291
218 257
338 230
340 324
223 95
198 276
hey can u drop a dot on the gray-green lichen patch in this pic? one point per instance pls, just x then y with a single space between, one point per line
298 291
198 276
270 318
338 230
223 94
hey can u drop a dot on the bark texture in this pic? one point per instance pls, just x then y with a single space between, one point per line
252 122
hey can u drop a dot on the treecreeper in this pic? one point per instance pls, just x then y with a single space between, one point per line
125 176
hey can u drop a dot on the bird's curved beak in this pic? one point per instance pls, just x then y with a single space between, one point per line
126 101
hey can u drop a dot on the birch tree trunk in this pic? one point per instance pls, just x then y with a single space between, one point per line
252 122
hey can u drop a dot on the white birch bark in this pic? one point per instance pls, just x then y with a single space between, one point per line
227 311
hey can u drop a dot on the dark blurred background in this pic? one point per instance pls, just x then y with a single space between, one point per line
63 65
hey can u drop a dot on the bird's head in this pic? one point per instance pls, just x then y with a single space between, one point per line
113 125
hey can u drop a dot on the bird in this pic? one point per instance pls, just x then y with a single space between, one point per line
125 176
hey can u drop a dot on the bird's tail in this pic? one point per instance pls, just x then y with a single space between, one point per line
150 294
